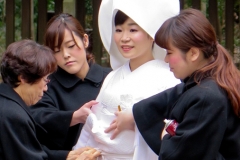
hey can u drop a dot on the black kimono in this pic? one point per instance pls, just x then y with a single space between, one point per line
66 93
18 140
208 128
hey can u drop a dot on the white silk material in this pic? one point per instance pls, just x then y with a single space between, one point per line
123 87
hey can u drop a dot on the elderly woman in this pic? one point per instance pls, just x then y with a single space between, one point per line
25 68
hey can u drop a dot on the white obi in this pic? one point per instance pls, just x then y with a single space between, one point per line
123 87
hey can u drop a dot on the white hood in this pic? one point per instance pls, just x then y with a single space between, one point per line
148 14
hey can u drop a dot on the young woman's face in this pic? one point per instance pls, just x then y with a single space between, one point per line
179 62
132 41
71 57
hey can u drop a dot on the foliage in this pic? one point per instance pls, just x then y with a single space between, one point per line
18 6
237 24
221 18
88 6
50 5
88 17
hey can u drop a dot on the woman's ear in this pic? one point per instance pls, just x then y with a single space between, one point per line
85 40
21 80
194 54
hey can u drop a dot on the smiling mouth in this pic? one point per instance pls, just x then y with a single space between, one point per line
126 48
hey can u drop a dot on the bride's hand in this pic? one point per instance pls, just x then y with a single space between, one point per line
124 121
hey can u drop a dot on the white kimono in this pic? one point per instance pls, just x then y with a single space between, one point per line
123 87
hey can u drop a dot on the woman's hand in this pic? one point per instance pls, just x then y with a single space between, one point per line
90 154
85 153
80 115
124 121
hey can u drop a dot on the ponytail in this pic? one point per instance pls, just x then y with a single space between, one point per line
228 77
226 74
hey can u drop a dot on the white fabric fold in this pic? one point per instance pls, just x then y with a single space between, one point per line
123 87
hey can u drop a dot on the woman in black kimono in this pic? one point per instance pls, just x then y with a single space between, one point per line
206 104
77 81
25 67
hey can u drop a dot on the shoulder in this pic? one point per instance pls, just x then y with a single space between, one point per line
162 75
202 100
97 73
210 89
104 69
208 92
111 72
11 111
110 75
159 68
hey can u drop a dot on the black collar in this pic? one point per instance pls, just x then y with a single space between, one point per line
94 75
189 82
8 92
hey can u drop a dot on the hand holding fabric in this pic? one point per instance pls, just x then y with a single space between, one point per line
85 153
80 115
124 121
89 154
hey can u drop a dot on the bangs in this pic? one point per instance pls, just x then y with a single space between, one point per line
163 35
60 35
55 33
120 18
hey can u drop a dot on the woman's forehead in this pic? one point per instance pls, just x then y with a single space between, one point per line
66 37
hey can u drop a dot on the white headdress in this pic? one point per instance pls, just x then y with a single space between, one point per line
148 14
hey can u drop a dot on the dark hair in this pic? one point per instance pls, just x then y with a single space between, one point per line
192 29
28 59
55 31
120 18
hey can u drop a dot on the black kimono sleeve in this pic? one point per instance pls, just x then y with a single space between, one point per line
44 140
56 154
52 119
202 112
149 115
17 135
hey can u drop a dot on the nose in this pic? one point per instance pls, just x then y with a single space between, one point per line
166 59
45 88
125 37
66 53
